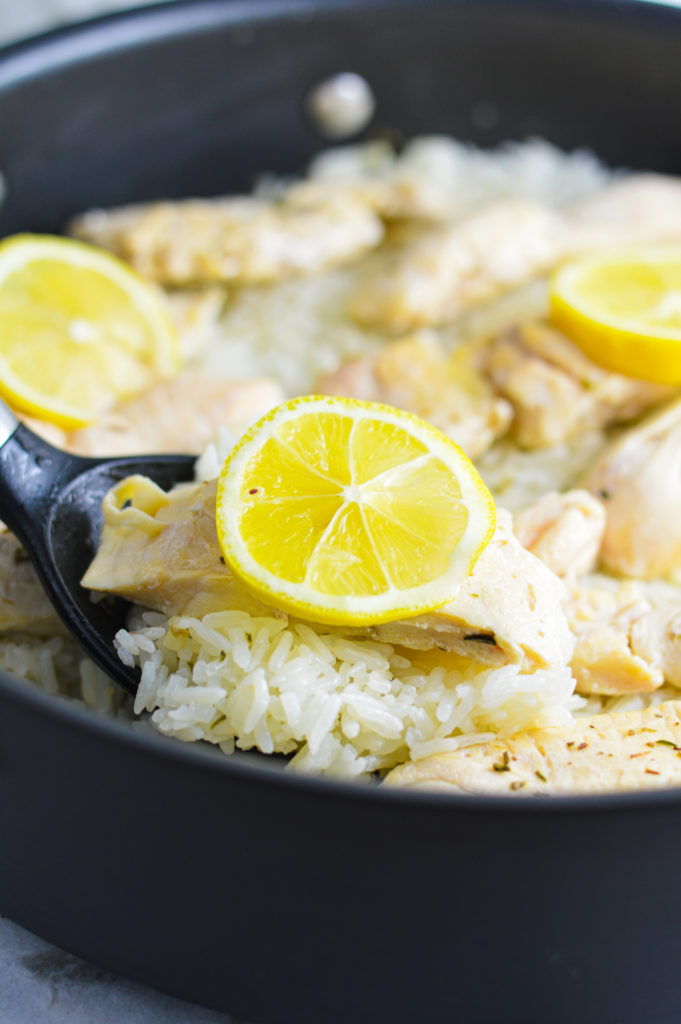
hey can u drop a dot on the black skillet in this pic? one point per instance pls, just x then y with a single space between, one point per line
225 880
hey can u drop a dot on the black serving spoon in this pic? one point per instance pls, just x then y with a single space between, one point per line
52 502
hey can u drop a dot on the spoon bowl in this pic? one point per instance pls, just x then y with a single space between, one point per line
52 502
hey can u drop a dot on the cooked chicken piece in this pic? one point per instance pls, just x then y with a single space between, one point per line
432 279
624 751
162 551
24 605
639 480
414 373
180 415
508 610
605 660
564 531
604 664
445 270
656 637
556 391
196 314
250 241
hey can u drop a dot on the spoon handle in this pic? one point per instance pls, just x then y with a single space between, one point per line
32 472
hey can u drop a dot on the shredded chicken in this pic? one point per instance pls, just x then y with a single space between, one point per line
656 637
245 240
556 391
625 751
605 660
439 274
161 551
508 610
180 415
564 531
443 271
639 480
622 645
414 373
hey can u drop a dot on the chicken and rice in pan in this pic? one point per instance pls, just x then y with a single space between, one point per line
418 281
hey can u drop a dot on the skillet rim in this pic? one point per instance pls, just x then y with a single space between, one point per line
43 54
162 19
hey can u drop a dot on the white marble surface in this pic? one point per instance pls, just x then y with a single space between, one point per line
40 984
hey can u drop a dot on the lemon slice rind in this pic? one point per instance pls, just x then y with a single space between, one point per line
161 360
352 608
632 345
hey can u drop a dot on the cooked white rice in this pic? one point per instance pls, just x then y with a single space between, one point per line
343 705
57 666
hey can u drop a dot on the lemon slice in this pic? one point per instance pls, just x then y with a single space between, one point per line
79 330
351 512
624 311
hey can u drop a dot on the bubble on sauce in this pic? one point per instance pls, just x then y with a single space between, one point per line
341 106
